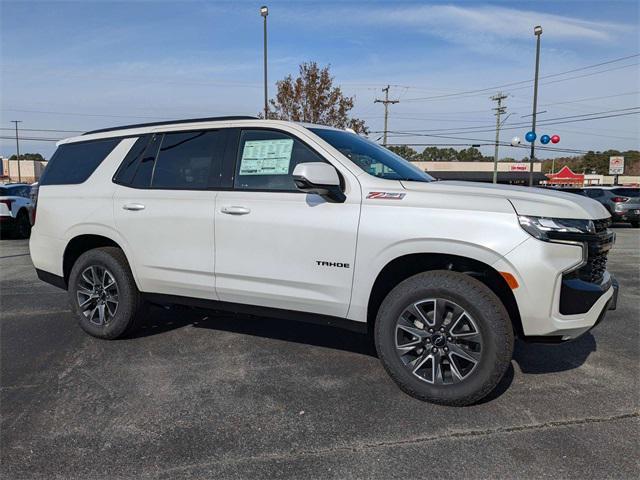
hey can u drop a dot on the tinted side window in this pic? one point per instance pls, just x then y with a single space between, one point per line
127 169
593 192
74 162
266 160
142 177
185 160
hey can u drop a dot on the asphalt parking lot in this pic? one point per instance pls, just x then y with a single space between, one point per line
220 396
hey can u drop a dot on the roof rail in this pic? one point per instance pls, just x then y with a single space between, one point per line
170 122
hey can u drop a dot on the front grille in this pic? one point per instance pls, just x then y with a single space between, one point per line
594 269
602 225
598 249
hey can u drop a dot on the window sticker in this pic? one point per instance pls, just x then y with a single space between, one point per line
266 157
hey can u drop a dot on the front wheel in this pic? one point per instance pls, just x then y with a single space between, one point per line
444 337
103 293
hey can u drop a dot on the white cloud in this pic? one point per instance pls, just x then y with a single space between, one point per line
464 23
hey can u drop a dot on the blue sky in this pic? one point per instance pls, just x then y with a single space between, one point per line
85 65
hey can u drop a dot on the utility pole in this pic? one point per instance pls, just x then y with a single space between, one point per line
537 31
386 102
499 111
16 122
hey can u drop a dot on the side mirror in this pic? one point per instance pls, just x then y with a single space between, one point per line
319 178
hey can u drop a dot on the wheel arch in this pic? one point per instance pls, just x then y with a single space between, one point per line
82 243
405 266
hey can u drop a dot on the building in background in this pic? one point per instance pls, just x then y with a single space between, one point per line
567 178
512 173
30 170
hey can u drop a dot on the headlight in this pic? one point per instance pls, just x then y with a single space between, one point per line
549 229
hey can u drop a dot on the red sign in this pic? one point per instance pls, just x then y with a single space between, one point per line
519 167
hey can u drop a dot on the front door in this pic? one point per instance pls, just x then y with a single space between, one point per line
279 247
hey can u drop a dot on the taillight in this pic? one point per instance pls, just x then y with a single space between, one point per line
620 199
34 203
7 202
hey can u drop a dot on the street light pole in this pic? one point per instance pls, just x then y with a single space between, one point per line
16 122
264 11
537 31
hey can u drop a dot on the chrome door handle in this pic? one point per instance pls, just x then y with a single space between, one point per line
235 210
133 206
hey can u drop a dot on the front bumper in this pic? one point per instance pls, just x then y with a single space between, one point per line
630 215
540 270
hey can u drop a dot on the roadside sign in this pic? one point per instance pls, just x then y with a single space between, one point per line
616 165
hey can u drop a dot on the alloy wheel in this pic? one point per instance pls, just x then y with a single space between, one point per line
438 341
97 294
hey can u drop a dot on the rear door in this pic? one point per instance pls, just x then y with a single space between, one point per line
164 208
276 246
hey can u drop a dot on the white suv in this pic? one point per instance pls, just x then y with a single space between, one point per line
320 224
15 204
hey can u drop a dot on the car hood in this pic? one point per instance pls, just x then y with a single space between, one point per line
536 202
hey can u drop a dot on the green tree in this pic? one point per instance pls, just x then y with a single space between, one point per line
311 97
435 154
405 152
28 156
470 154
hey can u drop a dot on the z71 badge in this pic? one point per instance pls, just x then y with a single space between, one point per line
386 195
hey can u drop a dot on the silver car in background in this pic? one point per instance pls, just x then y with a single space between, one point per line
622 202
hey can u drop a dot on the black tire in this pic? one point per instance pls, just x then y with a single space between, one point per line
488 313
130 307
23 225
635 224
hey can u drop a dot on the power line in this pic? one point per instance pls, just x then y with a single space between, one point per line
524 124
44 130
32 139
522 82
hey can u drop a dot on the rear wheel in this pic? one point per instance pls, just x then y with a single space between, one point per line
444 337
635 223
23 225
103 293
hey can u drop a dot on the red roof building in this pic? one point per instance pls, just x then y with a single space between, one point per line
565 177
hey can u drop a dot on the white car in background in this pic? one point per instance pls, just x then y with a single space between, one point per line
15 205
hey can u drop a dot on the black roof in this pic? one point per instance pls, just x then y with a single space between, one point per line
170 122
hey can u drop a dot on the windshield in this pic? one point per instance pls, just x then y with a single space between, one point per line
371 157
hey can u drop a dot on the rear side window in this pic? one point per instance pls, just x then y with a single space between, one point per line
627 192
4 192
127 170
73 163
594 192
266 160
144 170
185 160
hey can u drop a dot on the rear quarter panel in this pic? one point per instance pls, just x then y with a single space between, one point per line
66 211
